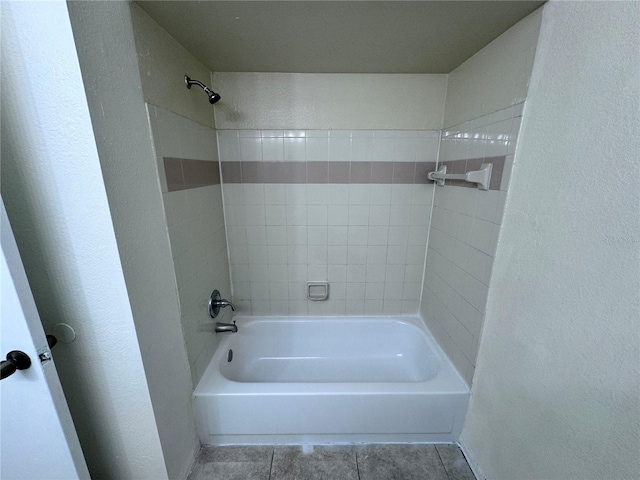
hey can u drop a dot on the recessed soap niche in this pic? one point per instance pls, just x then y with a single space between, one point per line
317 291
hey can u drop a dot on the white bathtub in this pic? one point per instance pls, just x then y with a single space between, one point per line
329 380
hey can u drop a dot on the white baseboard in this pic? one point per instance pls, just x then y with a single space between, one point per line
193 457
475 468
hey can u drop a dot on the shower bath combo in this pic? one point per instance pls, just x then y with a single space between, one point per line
368 379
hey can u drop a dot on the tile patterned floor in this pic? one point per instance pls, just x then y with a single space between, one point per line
328 462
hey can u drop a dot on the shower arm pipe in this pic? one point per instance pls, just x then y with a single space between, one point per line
213 96
190 82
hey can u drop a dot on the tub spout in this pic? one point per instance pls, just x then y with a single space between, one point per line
226 327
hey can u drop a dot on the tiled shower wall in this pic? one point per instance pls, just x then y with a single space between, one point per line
464 233
348 207
188 169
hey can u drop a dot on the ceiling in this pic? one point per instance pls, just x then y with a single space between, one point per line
336 36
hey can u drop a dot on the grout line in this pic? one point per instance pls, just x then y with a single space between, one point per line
273 451
442 462
431 211
357 465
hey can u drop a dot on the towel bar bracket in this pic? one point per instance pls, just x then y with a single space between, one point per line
481 177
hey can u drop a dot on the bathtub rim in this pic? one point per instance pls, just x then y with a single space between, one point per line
446 381
412 335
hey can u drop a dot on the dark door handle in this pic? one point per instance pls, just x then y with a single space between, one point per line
16 360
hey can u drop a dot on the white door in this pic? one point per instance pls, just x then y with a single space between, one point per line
37 436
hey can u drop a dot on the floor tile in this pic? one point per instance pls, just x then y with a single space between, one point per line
332 462
313 453
323 470
239 453
314 463
233 463
230 471
399 462
454 462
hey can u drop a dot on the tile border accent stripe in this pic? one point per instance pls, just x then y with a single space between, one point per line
355 172
185 173
327 172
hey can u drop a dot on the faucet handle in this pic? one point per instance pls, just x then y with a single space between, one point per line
214 306
225 303
216 302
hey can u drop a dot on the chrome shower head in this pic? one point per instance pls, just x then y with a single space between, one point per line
213 96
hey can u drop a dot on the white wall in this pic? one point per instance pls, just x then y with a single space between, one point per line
464 233
556 392
55 196
496 77
363 230
329 101
482 119
163 63
195 222
107 52
181 121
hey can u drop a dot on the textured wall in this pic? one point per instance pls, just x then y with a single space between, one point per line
107 54
556 392
329 101
54 193
163 63
496 77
